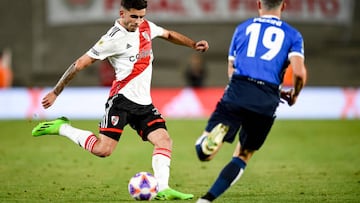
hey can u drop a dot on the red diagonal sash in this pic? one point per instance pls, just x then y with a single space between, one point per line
144 59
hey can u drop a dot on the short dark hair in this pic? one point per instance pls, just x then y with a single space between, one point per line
136 4
271 4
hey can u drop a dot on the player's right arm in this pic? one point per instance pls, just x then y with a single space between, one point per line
180 39
296 58
299 74
81 63
299 78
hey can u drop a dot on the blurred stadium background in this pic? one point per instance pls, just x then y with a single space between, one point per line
44 42
303 161
45 36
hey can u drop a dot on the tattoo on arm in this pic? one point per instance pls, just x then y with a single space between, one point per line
65 79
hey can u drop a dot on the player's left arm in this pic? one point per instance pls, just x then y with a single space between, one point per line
231 68
180 39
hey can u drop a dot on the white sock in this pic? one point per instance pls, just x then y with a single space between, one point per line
161 167
84 138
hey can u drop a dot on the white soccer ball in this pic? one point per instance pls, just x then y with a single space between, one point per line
143 186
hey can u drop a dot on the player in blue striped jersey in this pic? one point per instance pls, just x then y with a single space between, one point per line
260 51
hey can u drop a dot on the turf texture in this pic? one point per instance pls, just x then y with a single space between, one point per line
301 161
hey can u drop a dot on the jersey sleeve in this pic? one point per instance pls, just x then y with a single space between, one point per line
297 48
155 30
232 48
104 48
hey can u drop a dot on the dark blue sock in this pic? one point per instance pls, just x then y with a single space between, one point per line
229 173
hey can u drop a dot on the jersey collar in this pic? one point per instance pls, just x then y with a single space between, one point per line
270 16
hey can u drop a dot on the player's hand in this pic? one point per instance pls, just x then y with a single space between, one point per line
288 96
48 100
202 46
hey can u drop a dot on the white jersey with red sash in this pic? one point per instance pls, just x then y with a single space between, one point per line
130 53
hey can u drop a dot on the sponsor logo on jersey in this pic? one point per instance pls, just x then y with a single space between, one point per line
128 46
142 54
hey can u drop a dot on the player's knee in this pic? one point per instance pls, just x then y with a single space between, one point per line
102 152
160 138
167 140
164 142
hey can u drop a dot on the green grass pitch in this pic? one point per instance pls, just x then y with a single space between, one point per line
301 161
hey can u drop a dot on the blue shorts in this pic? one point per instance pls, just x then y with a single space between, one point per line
254 95
247 105
254 127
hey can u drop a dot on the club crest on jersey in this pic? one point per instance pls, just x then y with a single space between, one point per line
114 120
146 36
155 111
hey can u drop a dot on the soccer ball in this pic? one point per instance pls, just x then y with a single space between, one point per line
143 186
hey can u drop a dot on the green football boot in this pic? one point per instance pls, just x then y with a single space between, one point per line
49 127
171 194
214 139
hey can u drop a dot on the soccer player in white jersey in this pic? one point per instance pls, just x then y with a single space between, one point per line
127 46
259 53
